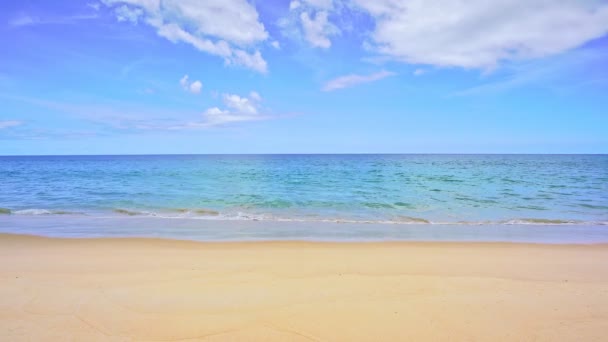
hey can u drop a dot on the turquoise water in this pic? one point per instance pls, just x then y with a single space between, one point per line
380 189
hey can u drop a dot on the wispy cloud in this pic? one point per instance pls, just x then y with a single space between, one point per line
230 30
46 134
94 5
19 130
118 118
236 109
354 79
24 20
550 72
106 117
419 72
10 123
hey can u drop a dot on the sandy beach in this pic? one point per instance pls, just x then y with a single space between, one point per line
162 290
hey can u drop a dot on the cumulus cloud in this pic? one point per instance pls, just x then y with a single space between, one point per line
226 28
192 87
251 60
309 19
316 29
294 4
195 87
124 13
237 109
353 80
481 33
10 123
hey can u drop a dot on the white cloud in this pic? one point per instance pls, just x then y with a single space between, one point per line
125 13
23 20
184 82
94 5
192 87
309 20
352 80
481 33
226 28
232 20
294 4
125 116
29 20
195 87
175 33
10 123
553 73
238 109
241 105
255 96
317 29
253 61
275 44
419 72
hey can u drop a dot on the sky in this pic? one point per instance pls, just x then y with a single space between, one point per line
303 76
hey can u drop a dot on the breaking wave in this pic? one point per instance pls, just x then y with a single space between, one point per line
211 214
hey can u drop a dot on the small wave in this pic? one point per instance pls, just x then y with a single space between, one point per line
133 212
378 205
400 220
206 212
198 211
41 212
210 214
168 213
410 219
404 204
541 221
591 206
531 207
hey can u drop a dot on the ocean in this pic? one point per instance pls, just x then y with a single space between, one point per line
325 197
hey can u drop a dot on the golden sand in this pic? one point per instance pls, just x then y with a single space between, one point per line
160 290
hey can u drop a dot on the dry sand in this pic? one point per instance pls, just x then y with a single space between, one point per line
159 290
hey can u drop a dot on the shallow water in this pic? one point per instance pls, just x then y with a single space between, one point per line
488 190
249 230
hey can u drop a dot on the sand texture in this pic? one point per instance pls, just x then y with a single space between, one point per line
160 290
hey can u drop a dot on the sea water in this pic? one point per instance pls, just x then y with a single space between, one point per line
368 196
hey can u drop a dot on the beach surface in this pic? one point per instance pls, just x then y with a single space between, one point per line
165 290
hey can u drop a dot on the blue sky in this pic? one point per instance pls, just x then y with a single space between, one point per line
307 76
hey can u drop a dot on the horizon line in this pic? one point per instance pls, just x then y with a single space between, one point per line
288 154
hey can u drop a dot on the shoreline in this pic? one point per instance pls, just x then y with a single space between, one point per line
249 230
277 242
214 215
118 289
